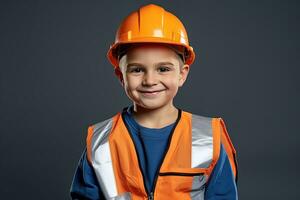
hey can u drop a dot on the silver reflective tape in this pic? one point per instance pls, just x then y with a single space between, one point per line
101 158
198 187
202 141
124 196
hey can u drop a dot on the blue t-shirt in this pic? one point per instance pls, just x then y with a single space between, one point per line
151 144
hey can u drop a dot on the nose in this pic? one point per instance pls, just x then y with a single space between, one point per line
149 79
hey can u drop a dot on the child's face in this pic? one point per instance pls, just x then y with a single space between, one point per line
151 75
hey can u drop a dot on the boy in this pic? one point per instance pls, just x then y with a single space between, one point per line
152 149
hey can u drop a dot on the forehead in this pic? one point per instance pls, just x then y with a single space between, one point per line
151 53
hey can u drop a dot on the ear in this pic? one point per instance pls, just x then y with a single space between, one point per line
119 75
184 71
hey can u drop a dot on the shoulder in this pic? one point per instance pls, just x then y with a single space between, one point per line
215 129
201 119
197 115
103 126
98 133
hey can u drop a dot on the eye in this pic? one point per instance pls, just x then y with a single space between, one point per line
135 70
164 69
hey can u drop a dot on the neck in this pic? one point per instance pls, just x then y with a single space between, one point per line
155 118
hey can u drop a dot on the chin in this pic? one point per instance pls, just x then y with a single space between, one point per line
151 106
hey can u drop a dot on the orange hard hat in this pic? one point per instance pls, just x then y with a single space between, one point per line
151 24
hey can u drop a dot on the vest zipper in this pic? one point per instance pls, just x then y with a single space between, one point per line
165 153
150 194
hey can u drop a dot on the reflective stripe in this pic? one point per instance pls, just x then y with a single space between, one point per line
124 196
202 152
198 187
101 159
202 141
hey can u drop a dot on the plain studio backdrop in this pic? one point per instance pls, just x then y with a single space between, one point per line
55 81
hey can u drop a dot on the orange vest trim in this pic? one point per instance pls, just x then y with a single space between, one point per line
229 148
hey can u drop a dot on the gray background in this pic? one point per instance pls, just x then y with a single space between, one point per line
55 81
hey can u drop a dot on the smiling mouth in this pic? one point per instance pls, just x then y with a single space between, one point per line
151 94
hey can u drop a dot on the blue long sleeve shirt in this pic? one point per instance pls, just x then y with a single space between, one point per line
151 144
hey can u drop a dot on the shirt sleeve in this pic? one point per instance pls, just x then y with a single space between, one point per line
84 184
222 184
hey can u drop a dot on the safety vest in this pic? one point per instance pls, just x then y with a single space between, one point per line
193 151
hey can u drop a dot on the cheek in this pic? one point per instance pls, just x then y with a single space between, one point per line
132 82
172 82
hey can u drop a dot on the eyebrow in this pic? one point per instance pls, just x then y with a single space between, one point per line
139 64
